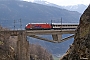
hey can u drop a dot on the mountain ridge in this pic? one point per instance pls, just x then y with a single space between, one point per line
79 7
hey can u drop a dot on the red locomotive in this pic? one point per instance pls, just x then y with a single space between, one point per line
37 26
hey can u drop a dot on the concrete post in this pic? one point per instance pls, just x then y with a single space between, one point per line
57 37
22 47
28 50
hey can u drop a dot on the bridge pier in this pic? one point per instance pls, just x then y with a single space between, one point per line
57 37
23 51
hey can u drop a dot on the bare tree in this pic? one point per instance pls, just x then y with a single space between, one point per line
39 53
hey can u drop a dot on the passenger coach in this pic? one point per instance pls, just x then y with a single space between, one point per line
64 25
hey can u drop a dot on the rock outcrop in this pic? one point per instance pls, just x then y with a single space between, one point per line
80 48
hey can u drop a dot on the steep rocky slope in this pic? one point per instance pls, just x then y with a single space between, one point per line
80 49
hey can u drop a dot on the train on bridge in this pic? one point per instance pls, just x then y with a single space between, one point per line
47 26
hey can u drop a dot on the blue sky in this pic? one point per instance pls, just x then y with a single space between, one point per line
67 2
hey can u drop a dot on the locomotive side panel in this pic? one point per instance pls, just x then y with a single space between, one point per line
46 26
38 26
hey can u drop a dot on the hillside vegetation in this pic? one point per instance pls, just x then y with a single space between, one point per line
6 51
